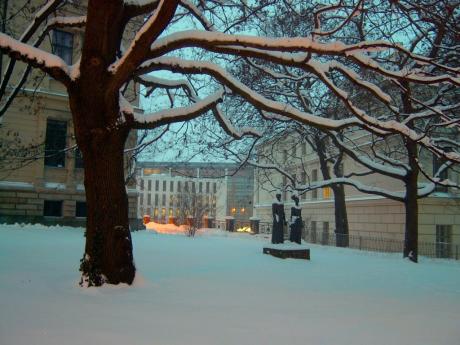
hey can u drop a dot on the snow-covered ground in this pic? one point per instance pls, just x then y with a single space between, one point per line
220 289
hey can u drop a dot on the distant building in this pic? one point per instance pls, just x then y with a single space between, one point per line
226 189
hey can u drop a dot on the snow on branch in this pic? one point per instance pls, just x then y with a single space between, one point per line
154 82
196 13
137 51
153 120
47 62
256 99
39 18
228 127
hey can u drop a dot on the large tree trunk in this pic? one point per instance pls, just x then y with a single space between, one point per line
340 207
108 254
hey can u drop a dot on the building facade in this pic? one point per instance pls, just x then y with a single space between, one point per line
220 190
41 168
369 215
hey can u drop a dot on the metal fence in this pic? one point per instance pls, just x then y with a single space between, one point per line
380 244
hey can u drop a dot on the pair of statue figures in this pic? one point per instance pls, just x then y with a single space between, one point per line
279 221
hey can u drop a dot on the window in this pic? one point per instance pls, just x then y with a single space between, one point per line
179 186
157 186
193 187
304 149
314 178
149 199
285 156
443 241
62 45
207 187
214 188
149 185
163 200
80 209
141 200
52 208
327 192
186 186
171 186
55 142
313 231
325 239
142 184
156 199
164 186
200 187
78 159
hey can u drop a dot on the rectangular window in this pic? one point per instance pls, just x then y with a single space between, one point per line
62 45
156 199
207 187
443 241
78 159
314 178
164 186
142 184
200 187
313 231
193 187
327 192
52 208
214 188
325 239
80 209
157 186
186 186
179 186
149 199
171 186
163 200
141 200
55 143
149 185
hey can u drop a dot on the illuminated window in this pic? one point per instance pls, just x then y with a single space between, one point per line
327 192
155 212
314 178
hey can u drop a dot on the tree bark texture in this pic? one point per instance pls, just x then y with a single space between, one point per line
340 206
341 217
108 254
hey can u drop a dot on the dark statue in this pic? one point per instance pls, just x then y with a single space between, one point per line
279 220
296 221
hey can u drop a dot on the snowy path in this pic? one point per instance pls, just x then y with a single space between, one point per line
222 290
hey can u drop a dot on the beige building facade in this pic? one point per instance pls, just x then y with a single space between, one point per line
41 169
369 215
